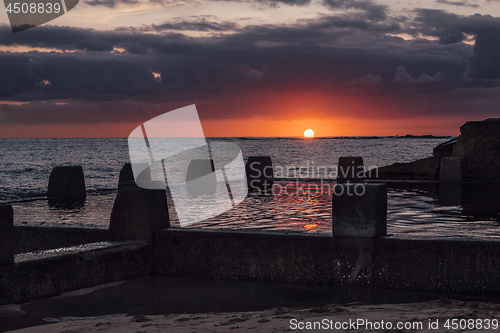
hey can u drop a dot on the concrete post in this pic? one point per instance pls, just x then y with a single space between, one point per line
127 175
6 235
67 184
259 172
200 177
350 169
452 169
359 210
137 212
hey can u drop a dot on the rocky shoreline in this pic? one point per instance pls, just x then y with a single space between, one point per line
478 144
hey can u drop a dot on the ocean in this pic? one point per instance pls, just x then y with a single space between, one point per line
416 211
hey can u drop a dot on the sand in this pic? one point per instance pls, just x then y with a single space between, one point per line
290 319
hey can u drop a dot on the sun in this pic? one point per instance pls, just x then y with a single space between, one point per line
309 133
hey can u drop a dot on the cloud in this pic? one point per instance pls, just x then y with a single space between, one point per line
273 3
403 76
130 3
177 24
452 28
458 3
373 12
368 80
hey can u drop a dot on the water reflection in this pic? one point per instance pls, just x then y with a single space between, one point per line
415 210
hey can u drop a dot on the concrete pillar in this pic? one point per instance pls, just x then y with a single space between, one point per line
200 177
127 175
359 210
137 212
350 169
259 172
6 235
67 184
452 169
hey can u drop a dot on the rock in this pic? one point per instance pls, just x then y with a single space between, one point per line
260 175
67 184
6 235
359 210
479 144
350 169
452 169
424 169
445 149
137 212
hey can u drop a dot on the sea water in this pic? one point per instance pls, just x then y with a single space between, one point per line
413 211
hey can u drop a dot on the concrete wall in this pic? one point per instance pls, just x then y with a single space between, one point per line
28 239
450 266
54 274
425 265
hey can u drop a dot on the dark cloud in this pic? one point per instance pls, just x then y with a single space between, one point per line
373 12
111 3
452 28
115 3
332 55
199 24
273 3
458 3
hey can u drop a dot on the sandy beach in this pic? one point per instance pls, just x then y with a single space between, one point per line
355 317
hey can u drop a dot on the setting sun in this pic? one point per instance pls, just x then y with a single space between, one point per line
309 133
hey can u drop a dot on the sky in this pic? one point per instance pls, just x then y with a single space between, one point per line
254 67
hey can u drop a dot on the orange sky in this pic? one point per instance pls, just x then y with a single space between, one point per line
256 127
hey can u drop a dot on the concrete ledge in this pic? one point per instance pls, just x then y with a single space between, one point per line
252 255
28 239
450 266
49 273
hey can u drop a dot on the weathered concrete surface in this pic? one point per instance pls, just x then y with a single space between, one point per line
479 144
438 265
452 169
350 169
359 210
6 235
56 274
28 239
260 256
259 172
5 284
137 212
66 183
424 265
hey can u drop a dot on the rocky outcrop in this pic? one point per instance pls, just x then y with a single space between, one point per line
478 144
424 169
